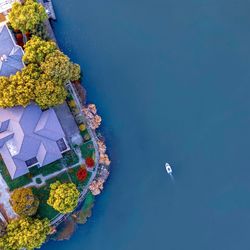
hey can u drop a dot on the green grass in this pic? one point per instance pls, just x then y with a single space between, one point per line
73 177
69 157
63 178
46 170
44 210
87 149
16 183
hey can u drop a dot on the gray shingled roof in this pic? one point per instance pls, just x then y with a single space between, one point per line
10 53
26 133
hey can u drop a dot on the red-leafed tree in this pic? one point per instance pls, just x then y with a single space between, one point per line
82 174
90 162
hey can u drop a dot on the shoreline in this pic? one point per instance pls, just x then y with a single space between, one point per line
57 221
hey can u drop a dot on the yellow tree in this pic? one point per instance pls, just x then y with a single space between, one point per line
7 93
49 92
24 202
24 88
63 197
37 49
25 233
57 66
75 72
26 16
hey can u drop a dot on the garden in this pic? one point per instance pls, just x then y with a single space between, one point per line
69 158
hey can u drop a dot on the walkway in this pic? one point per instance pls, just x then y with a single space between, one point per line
56 221
5 197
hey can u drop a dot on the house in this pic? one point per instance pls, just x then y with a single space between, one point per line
5 7
28 137
10 53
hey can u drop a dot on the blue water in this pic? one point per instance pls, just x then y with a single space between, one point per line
171 79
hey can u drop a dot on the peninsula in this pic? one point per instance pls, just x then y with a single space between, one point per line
52 161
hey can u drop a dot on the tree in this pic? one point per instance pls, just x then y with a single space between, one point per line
24 202
57 66
25 233
49 92
75 72
24 87
31 85
40 30
63 197
26 16
2 228
37 49
18 89
7 93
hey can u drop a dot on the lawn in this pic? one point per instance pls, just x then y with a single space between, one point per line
46 170
70 158
87 149
44 210
16 183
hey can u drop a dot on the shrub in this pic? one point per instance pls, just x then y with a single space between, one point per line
82 174
38 180
90 162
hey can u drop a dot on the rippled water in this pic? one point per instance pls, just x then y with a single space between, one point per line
171 80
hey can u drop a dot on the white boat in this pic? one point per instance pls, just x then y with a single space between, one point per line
168 168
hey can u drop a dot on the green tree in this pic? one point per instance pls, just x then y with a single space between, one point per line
24 202
40 30
25 233
37 49
63 197
26 16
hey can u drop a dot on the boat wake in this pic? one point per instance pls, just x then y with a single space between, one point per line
172 178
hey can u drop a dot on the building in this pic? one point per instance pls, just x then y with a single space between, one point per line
28 136
10 53
5 7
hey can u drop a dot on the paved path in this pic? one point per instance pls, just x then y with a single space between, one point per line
56 221
5 197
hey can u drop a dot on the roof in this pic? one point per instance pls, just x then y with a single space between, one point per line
10 53
6 5
27 133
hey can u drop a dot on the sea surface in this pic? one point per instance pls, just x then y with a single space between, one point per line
171 80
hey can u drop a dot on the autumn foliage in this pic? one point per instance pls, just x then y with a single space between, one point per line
90 162
24 202
25 233
82 174
63 197
42 80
